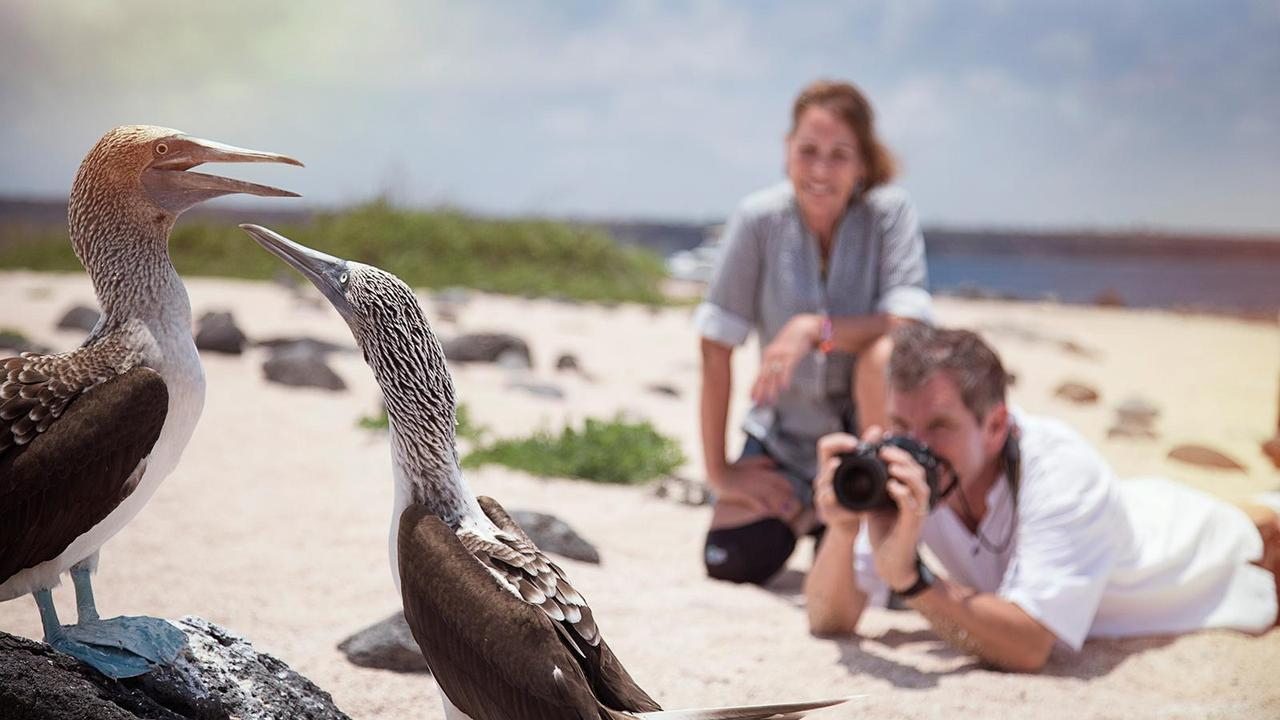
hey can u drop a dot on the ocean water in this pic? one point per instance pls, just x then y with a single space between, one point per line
1224 284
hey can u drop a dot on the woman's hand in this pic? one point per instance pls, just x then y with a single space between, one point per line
755 484
778 361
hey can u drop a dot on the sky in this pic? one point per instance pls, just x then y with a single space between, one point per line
1123 114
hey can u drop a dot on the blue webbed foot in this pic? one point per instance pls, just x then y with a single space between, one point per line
110 661
150 639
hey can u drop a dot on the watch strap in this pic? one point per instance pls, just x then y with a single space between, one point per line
924 581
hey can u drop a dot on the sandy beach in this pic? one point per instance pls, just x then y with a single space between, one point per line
275 523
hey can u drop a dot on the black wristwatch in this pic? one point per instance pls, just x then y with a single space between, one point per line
924 581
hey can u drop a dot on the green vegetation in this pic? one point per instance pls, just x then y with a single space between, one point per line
380 421
433 249
613 451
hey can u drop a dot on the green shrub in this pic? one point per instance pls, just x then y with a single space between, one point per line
432 249
613 451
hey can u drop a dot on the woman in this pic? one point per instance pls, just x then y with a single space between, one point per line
821 266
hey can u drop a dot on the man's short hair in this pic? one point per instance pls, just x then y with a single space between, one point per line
920 351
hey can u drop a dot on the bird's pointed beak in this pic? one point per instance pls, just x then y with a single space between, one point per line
175 189
328 273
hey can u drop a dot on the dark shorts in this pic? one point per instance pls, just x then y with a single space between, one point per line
755 552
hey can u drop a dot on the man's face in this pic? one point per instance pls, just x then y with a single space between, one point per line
935 414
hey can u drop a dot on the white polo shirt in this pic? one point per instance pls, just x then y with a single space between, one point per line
1094 557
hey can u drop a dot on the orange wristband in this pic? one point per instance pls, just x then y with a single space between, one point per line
825 344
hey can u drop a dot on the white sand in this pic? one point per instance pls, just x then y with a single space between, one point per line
275 523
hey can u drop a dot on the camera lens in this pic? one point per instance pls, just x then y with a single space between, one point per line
860 481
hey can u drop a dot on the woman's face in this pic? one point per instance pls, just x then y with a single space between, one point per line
824 164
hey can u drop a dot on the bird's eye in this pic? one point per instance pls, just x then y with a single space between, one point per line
162 149
344 278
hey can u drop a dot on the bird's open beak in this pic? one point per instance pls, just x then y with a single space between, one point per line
175 189
328 273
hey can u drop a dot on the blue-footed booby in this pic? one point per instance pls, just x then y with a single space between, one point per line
86 436
502 629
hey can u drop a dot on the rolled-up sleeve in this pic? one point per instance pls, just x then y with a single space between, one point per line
904 276
728 312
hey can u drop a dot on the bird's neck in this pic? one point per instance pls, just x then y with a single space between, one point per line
420 407
127 259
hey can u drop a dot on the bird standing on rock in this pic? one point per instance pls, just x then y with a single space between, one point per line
86 436
504 633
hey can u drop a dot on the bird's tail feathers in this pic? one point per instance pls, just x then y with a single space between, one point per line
783 711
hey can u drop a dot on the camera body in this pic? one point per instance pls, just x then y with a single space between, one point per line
861 480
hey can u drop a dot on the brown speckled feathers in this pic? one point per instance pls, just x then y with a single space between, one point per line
75 431
539 581
36 389
498 658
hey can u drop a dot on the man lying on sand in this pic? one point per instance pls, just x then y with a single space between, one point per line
1040 544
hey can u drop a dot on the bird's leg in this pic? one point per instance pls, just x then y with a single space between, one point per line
80 575
110 661
48 616
141 639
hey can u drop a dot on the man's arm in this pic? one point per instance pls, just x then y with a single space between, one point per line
986 625
832 596
831 591
981 623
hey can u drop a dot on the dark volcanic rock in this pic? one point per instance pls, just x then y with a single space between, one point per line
1075 392
80 317
219 676
1132 430
553 535
684 491
1205 457
218 332
311 345
544 390
664 389
487 347
1136 411
386 645
301 366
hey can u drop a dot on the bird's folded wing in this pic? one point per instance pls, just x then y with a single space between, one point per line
495 656
76 433
610 681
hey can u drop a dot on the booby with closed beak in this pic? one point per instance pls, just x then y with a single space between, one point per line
504 632
86 436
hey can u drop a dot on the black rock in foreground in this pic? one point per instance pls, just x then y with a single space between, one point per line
386 645
218 677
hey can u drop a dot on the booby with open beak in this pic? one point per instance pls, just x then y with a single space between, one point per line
504 632
86 436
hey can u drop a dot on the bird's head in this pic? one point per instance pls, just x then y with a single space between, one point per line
146 168
381 310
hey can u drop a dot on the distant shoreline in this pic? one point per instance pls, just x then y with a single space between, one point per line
667 237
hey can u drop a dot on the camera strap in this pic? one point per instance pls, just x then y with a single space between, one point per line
1011 456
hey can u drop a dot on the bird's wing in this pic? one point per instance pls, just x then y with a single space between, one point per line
495 656
75 432
609 679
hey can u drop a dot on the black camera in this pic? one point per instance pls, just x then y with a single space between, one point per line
861 479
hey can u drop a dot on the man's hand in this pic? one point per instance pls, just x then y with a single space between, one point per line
755 483
832 514
895 536
778 360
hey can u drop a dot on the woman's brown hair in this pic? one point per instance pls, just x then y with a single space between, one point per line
850 105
